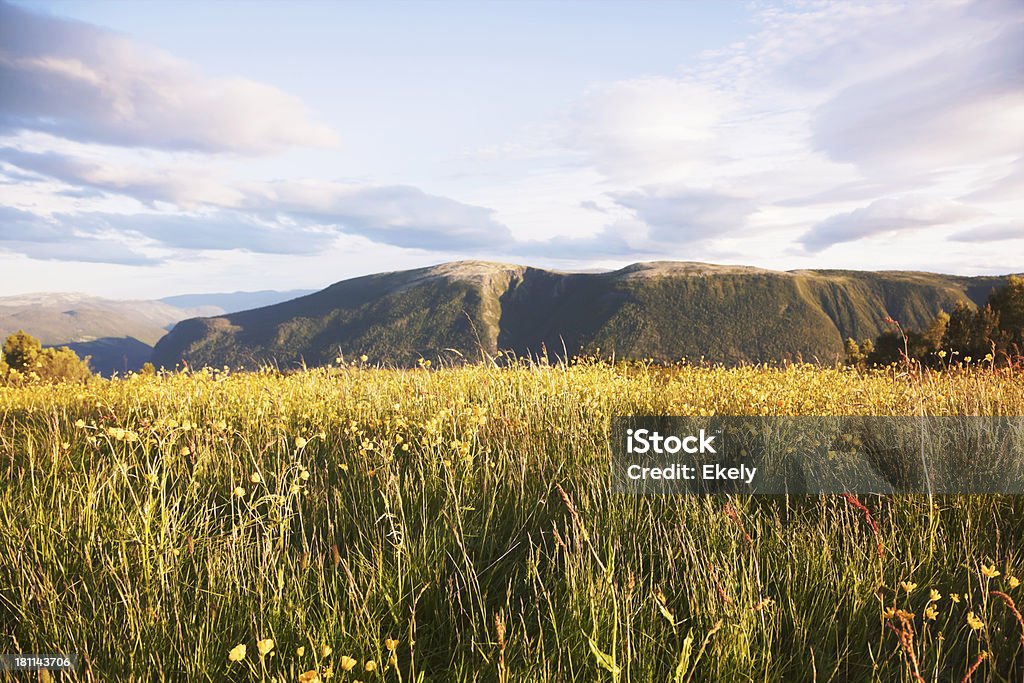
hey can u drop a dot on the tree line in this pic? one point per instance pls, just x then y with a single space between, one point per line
993 333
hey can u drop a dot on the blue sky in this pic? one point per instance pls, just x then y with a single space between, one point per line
154 148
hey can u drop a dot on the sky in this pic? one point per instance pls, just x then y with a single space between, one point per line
159 148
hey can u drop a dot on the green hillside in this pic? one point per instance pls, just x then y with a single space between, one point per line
662 310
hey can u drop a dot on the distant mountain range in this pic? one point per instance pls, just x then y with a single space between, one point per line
661 310
235 301
118 335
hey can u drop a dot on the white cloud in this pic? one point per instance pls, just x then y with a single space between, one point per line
828 106
211 212
991 233
84 83
631 130
686 215
51 239
888 215
188 184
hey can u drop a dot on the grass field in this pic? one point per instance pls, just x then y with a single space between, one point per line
460 525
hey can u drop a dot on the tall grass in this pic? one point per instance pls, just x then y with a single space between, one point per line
460 525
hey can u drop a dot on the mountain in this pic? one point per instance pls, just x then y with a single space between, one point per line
60 318
119 335
661 310
230 302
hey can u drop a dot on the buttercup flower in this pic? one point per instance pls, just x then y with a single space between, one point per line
265 646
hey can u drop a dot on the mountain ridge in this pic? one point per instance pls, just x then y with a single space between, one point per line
664 310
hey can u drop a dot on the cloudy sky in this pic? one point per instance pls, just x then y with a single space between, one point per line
156 148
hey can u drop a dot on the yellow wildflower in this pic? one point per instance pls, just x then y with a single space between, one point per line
955 597
300 650
371 666
347 663
934 595
1013 581
990 571
80 423
325 650
974 622
300 442
239 492
930 612
255 478
391 644
265 646
908 586
237 653
311 676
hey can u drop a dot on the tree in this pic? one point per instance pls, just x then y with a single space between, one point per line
935 333
853 353
986 332
63 364
889 349
1008 304
857 354
959 335
867 347
21 351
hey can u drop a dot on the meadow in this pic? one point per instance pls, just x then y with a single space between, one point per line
357 523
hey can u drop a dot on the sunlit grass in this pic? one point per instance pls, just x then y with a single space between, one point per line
459 524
